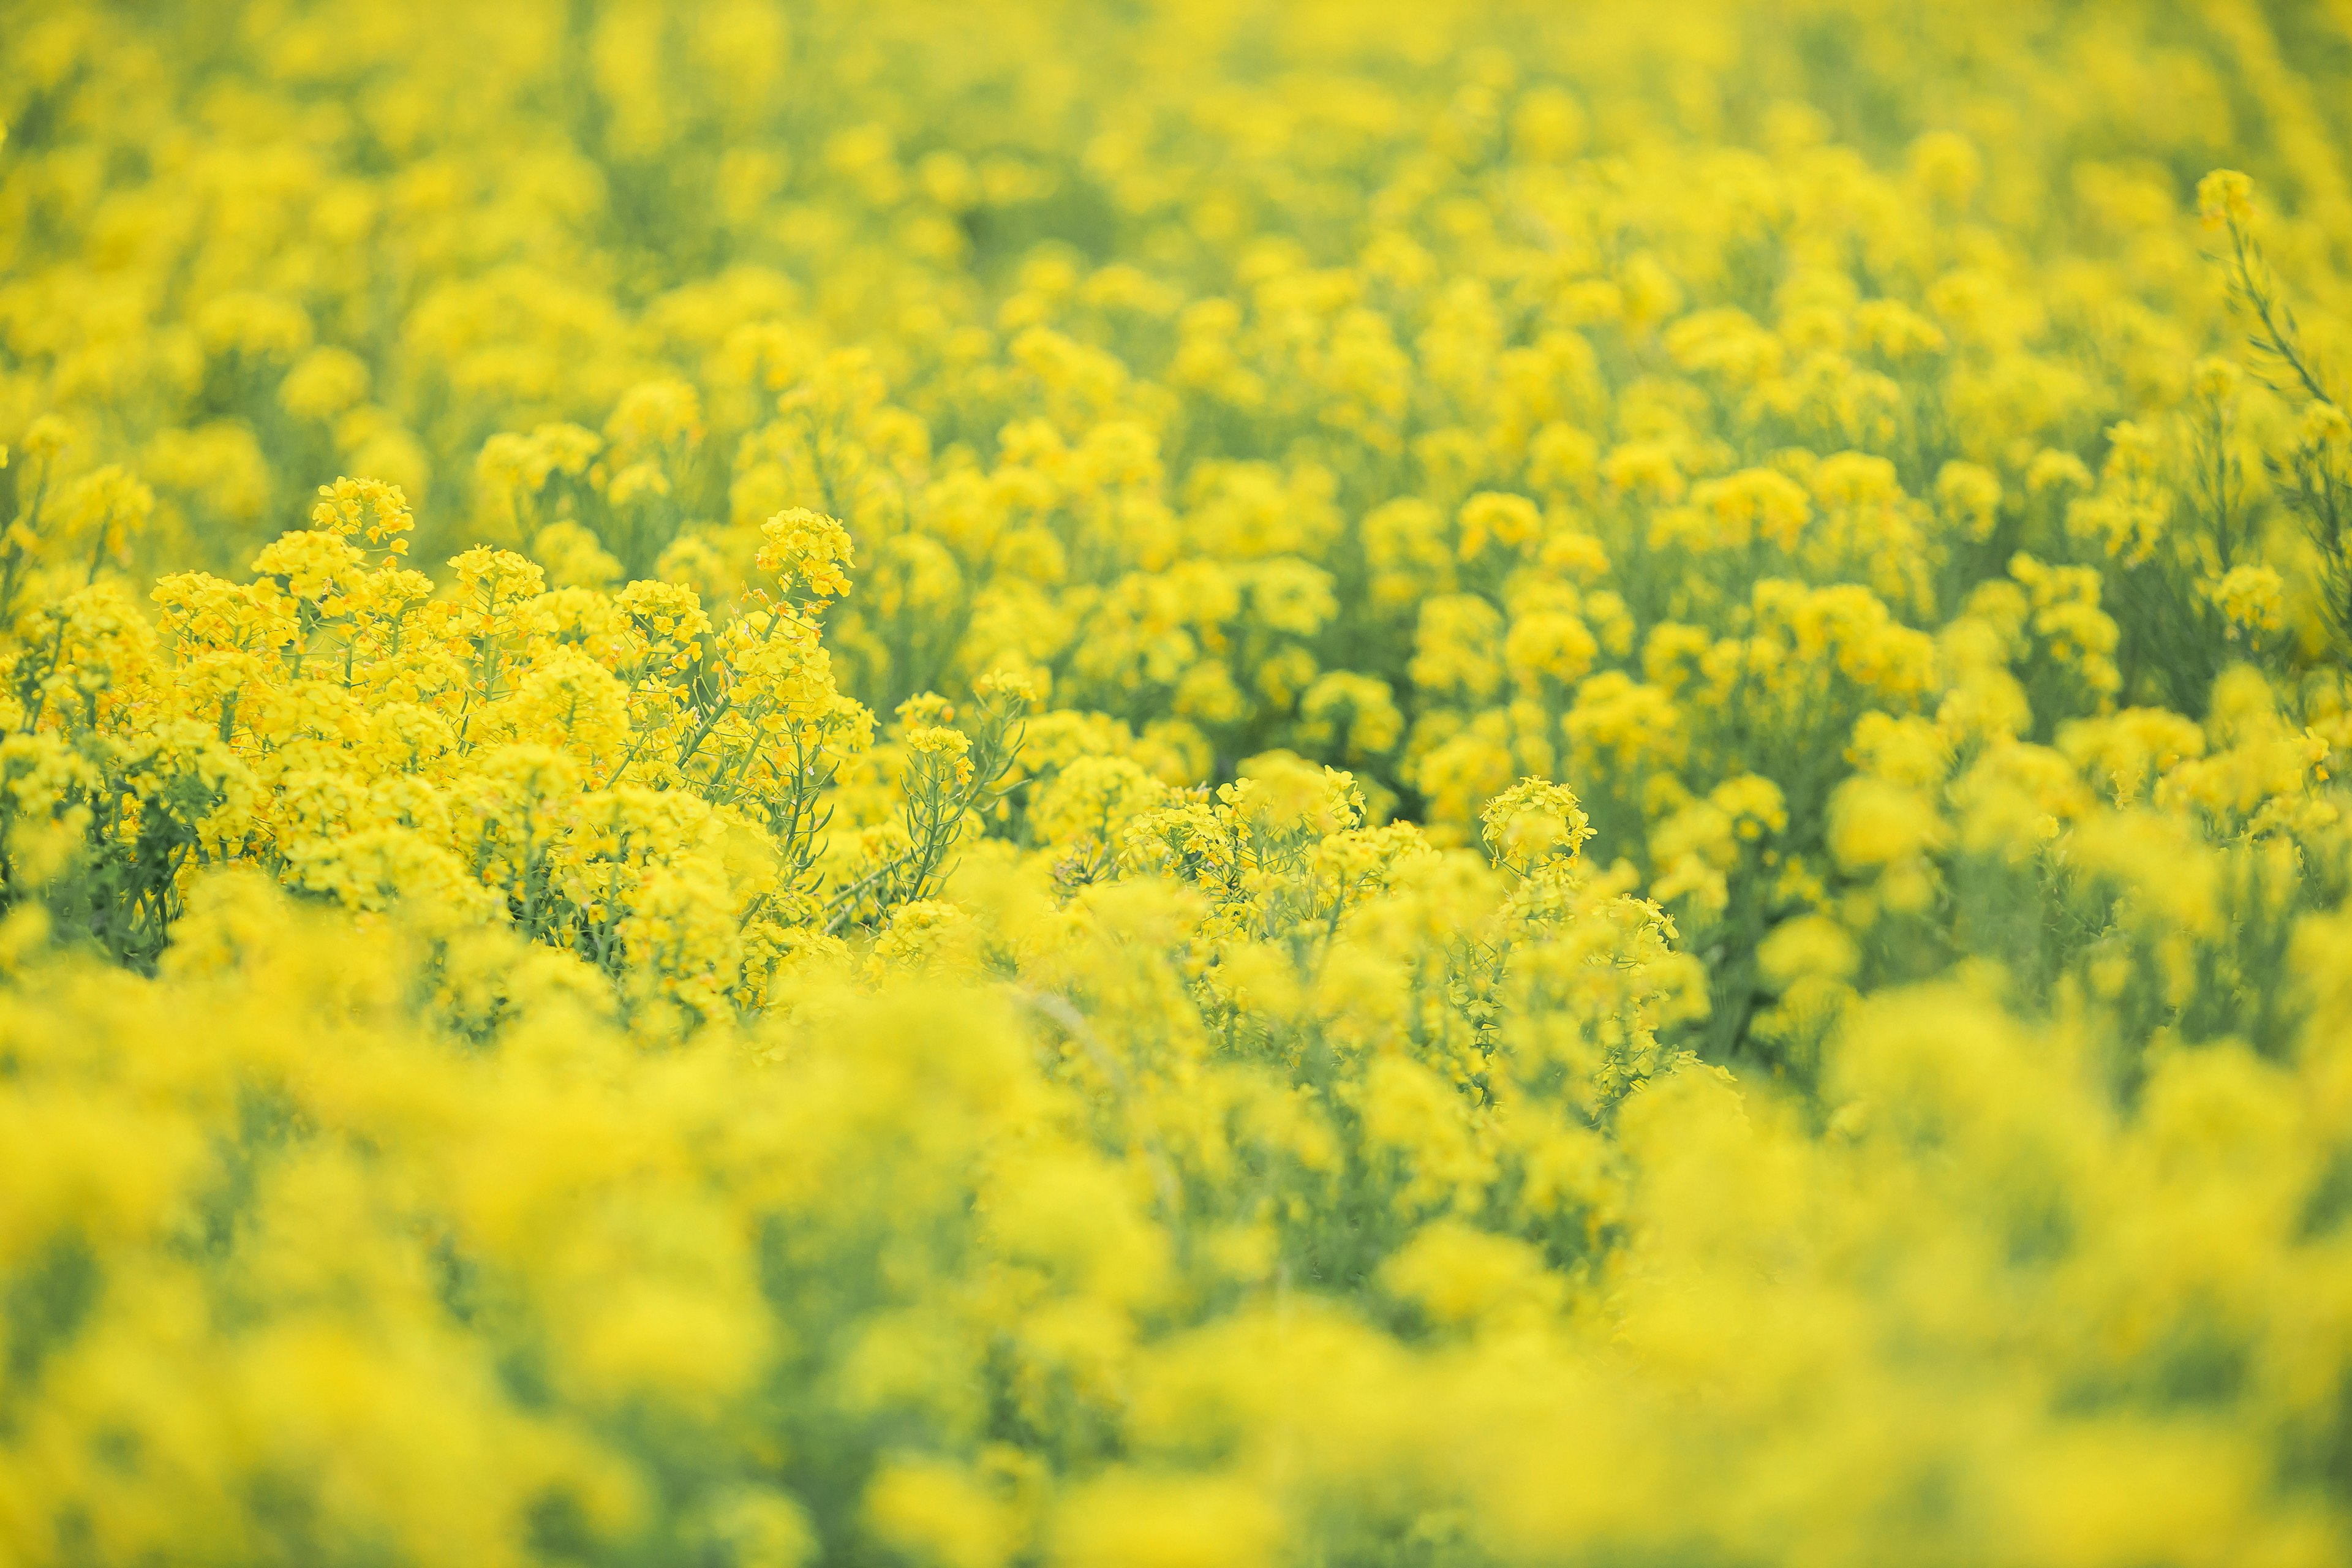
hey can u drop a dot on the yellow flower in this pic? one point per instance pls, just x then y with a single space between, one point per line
2225 197
1875 824
2253 598
936 1513
1534 823
808 550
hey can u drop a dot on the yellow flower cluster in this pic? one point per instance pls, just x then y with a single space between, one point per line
1035 785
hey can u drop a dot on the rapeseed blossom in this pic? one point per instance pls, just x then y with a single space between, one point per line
1174 787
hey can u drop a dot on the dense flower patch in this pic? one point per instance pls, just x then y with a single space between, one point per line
1172 785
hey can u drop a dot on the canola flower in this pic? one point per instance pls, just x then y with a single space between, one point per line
1175 785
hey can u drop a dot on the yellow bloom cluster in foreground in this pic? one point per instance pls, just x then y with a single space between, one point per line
1175 785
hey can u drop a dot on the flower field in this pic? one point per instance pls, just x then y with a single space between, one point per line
1038 784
